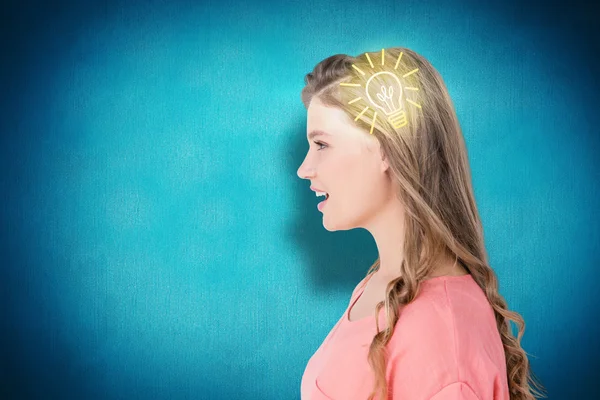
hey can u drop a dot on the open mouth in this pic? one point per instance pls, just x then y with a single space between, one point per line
320 194
322 203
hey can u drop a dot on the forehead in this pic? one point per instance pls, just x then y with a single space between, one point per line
324 120
334 124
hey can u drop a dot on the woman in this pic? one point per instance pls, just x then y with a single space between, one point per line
427 322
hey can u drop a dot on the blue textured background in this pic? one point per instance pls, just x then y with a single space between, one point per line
156 241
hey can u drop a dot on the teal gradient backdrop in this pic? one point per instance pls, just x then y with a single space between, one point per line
157 243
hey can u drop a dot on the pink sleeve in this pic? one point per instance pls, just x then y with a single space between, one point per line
456 391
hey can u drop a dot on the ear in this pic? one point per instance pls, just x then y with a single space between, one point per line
384 162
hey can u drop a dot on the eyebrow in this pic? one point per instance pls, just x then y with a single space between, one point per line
317 133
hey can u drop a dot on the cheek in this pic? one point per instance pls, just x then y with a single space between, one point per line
343 175
368 189
353 180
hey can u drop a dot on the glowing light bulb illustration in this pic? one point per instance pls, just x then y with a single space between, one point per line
382 96
385 96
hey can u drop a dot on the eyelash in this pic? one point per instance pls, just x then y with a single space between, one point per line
319 144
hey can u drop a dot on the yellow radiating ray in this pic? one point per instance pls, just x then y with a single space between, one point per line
411 72
398 62
358 69
382 58
369 58
411 88
355 100
413 103
373 123
350 84
361 113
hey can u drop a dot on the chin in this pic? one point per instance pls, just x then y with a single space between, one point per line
332 227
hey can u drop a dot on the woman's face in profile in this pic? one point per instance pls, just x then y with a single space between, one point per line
345 162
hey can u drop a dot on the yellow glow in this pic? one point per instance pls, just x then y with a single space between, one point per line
369 58
373 123
413 103
358 69
399 57
410 73
361 113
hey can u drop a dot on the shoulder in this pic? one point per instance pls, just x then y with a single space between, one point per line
448 334
447 310
426 328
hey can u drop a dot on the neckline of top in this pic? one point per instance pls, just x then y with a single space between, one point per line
441 278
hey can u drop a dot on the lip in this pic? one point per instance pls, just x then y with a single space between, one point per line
314 189
321 205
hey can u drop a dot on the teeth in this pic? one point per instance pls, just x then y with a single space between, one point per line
320 194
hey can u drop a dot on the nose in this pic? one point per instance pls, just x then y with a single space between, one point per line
305 171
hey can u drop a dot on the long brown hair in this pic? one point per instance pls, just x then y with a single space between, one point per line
427 158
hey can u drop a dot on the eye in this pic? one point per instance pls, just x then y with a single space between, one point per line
320 144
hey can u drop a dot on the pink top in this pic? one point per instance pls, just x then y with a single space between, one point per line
445 346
